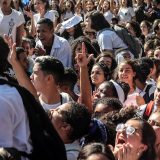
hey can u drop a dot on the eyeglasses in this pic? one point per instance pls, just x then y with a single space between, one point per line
128 129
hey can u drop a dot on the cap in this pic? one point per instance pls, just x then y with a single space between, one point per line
71 22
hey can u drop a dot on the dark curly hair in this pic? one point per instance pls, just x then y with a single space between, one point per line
89 47
121 116
111 102
79 118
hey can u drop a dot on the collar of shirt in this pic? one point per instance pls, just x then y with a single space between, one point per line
100 31
56 42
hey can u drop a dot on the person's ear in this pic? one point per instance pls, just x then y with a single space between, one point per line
142 148
50 78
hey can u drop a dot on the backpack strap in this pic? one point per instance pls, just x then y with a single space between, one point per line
46 142
146 96
148 110
109 29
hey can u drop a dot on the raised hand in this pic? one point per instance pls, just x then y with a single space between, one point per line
127 152
12 57
39 51
8 40
85 88
81 58
29 14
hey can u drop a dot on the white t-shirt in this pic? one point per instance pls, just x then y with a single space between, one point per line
126 14
49 14
109 40
65 98
14 123
131 99
9 23
72 150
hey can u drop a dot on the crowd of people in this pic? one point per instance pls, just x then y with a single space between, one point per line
80 79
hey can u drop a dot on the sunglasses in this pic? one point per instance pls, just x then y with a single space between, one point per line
128 129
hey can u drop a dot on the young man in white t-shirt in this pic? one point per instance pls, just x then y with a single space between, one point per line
14 132
47 72
11 22
23 133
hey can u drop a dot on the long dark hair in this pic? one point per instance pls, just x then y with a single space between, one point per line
89 48
136 28
98 21
147 139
